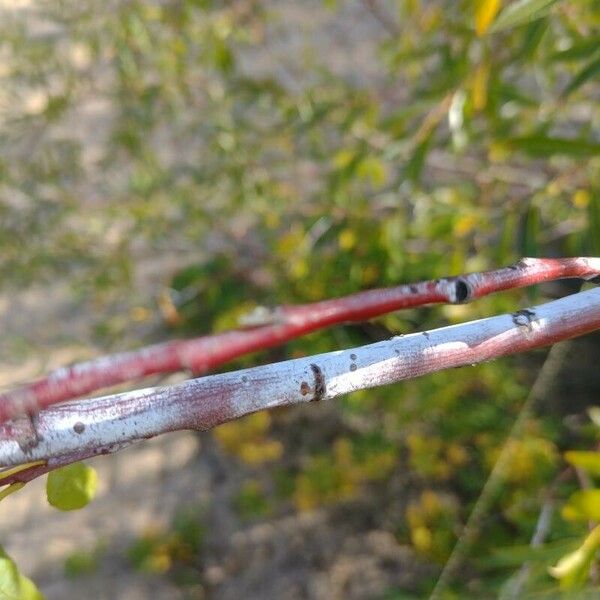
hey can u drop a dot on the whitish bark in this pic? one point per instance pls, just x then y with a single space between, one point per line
81 429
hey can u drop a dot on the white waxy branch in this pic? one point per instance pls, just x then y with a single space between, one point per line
85 428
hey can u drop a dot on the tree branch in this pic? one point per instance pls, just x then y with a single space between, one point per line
282 324
82 429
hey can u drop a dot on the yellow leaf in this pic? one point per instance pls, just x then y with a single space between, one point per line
573 568
422 539
499 152
583 505
485 13
594 413
347 239
480 86
343 158
457 454
167 308
588 461
465 225
581 198
373 170
370 273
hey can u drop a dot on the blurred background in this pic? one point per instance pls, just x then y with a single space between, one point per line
165 167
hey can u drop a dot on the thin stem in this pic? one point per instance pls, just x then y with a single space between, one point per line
493 484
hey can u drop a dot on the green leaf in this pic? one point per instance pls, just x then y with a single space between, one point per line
9 577
14 585
415 165
580 50
372 169
588 461
572 569
530 232
583 505
223 57
540 146
515 556
532 38
521 12
589 71
81 563
594 413
29 590
71 487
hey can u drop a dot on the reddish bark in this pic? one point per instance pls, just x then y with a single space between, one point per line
82 429
201 354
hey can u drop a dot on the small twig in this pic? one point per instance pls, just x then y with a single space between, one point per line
542 528
494 481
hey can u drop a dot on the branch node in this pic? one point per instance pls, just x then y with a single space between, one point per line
319 383
462 291
524 318
27 434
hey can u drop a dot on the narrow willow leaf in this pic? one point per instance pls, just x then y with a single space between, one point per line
11 489
530 232
594 413
480 86
531 39
589 71
588 461
521 12
515 556
578 51
572 569
485 12
416 163
541 146
583 505
71 487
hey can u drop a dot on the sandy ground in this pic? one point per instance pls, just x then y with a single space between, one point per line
343 552
321 555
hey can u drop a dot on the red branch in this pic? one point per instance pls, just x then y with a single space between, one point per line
287 322
82 429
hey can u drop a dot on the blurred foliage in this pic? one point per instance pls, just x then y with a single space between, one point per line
337 474
583 505
247 438
80 563
175 550
252 501
432 519
279 163
84 562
